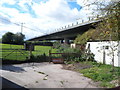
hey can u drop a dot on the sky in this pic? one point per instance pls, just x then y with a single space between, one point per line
40 17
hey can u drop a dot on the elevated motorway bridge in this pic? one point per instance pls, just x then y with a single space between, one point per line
68 33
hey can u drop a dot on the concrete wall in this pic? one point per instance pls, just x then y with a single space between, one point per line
104 51
78 46
73 45
119 54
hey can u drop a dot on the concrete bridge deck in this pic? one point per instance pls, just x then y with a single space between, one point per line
68 33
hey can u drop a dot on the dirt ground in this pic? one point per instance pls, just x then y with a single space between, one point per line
75 66
45 75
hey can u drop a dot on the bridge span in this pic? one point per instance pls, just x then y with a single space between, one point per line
68 33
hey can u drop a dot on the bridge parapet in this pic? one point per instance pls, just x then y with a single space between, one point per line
69 32
76 24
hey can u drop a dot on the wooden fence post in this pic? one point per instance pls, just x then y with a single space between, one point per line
49 56
30 48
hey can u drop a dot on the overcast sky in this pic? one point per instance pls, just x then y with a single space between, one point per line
40 16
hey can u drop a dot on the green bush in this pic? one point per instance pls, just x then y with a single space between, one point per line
71 57
56 45
107 84
73 54
101 72
39 58
104 77
70 54
97 75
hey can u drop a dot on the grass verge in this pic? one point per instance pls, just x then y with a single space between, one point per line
105 74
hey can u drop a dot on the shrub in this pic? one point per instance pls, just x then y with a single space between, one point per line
56 45
73 54
104 77
87 56
107 84
72 57
103 73
39 58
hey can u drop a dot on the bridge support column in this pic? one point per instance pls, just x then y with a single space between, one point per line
66 41
61 41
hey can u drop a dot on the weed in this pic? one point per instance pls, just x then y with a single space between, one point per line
36 82
41 72
107 84
103 73
62 82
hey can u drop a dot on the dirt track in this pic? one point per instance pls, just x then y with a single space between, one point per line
45 75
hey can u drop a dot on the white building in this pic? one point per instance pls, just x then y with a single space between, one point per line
105 51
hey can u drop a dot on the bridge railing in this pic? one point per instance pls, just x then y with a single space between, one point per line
74 24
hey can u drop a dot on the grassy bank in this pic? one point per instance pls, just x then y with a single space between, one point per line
103 75
106 75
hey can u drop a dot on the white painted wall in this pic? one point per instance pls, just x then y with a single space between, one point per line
98 49
72 45
119 54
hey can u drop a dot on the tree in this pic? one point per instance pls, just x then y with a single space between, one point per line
109 28
8 38
110 23
111 19
19 38
109 13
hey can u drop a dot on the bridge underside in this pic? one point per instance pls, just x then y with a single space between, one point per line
67 34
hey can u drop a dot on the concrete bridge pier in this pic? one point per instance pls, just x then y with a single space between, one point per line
61 41
66 41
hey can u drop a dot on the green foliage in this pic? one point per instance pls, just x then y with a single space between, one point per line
0 40
17 55
39 58
98 34
56 45
108 29
43 49
87 56
65 48
18 38
103 73
107 84
10 38
73 55
42 43
13 52
70 54
111 19
87 36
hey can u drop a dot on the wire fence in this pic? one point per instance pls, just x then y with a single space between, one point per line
19 53
13 52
